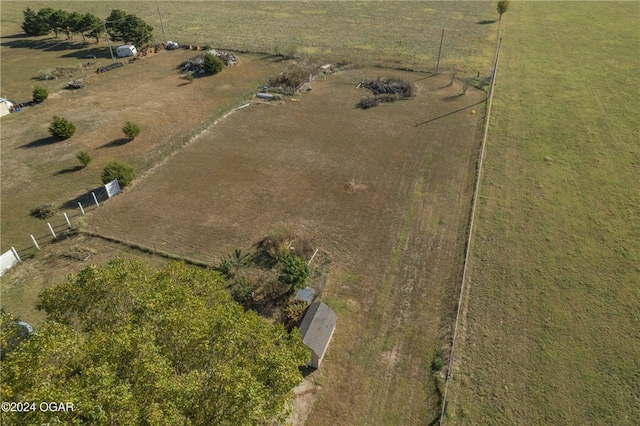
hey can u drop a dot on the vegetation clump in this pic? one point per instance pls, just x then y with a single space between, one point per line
61 128
44 211
84 157
118 170
131 130
40 94
212 63
289 81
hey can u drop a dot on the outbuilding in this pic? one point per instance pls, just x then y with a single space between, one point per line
126 50
316 328
5 106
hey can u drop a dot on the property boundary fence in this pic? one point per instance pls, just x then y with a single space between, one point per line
60 225
445 401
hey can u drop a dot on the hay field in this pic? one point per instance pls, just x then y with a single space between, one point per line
385 200
552 330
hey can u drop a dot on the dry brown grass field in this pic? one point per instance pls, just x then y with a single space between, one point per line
384 197
383 193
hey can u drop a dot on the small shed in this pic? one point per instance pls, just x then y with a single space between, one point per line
317 327
126 50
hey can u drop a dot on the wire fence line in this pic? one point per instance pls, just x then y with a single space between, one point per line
449 374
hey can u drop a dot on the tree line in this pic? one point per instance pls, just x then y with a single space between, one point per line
121 26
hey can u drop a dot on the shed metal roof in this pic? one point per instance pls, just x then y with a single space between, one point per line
316 327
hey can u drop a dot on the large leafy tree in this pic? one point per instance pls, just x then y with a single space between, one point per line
133 346
92 26
59 21
34 24
128 28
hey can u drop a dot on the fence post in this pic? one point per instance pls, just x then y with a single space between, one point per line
95 199
51 229
81 209
67 218
35 242
15 253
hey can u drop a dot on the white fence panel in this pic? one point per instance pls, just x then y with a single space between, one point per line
7 260
112 188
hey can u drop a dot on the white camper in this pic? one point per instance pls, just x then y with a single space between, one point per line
126 50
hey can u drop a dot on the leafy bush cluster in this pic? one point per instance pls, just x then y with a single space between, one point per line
131 130
118 170
40 94
61 128
212 63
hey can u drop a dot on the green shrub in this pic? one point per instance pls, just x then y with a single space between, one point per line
44 211
40 94
293 272
212 64
118 170
84 158
61 128
131 130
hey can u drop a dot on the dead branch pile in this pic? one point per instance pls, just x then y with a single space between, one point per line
290 81
390 86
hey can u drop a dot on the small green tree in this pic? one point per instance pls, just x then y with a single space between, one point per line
212 64
503 7
84 158
131 130
40 94
293 272
61 128
118 170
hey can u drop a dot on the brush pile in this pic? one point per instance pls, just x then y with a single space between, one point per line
385 90
195 64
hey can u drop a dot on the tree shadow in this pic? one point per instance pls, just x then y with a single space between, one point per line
486 21
86 199
68 170
19 35
90 54
42 142
116 142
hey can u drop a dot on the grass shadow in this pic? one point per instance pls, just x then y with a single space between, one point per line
68 170
116 142
42 142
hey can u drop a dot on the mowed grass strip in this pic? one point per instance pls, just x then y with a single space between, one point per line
395 235
553 323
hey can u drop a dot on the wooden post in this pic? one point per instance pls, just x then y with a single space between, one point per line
15 253
67 219
35 242
95 199
51 229
440 52
81 209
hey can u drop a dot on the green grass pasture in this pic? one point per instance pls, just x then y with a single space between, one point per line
552 333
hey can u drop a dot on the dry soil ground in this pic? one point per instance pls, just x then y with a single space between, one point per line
385 193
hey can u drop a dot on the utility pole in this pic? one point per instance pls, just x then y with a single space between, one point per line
161 25
108 41
439 52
